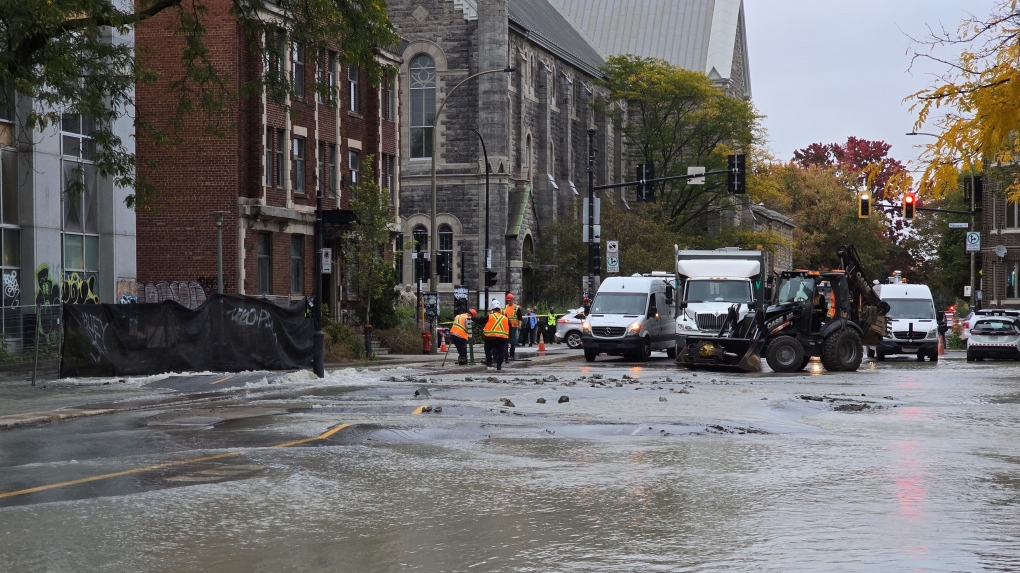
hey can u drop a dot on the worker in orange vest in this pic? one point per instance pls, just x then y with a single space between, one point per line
459 334
513 313
496 331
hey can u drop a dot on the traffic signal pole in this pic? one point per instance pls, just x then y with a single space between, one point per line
591 214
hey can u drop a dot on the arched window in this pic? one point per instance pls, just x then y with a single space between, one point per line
421 246
445 254
526 160
422 71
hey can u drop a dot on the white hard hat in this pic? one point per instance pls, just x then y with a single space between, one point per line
494 303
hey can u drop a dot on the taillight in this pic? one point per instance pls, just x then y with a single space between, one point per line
966 324
562 321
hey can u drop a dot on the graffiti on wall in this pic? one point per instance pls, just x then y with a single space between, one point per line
187 293
127 291
80 289
46 291
12 288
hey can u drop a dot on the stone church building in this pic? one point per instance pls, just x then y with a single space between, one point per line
532 123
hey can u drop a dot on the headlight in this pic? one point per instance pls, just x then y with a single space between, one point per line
686 326
933 334
585 326
634 328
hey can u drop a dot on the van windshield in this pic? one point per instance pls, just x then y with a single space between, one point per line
620 303
718 291
910 308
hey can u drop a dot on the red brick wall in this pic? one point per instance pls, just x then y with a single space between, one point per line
177 234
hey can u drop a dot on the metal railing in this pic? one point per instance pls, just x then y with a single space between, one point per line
30 337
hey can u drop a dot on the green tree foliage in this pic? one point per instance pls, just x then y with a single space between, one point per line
365 246
973 105
826 217
59 53
677 118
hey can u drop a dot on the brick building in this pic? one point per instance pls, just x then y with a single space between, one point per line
262 177
533 122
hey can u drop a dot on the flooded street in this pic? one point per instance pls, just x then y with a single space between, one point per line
900 466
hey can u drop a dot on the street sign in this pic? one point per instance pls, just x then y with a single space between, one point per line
612 247
431 303
327 261
696 171
598 233
973 242
959 225
612 264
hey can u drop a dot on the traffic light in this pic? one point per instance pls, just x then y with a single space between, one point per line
863 205
735 174
596 260
645 191
490 278
909 201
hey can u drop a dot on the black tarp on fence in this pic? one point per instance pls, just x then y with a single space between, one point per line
227 333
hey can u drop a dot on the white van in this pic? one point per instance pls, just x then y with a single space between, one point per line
912 326
631 316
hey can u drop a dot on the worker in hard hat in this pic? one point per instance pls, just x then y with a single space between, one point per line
513 314
459 333
497 331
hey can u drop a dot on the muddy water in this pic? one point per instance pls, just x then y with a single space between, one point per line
741 473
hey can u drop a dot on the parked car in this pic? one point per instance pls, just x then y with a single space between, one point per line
568 328
969 320
994 337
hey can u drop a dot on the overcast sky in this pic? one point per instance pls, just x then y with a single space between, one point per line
823 70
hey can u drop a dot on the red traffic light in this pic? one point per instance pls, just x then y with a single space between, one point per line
909 198
908 205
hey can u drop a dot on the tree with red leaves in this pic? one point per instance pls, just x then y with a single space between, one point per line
853 162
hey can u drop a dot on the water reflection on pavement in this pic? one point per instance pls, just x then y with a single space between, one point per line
898 466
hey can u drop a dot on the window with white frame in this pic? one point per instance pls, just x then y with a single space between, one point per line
352 85
10 232
265 262
327 169
444 255
1012 215
388 180
388 99
327 74
297 264
354 159
422 98
297 68
279 152
80 207
1012 271
298 164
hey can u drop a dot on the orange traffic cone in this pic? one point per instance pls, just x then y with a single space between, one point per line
443 347
942 344
541 344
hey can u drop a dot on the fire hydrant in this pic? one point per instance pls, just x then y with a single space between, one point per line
426 342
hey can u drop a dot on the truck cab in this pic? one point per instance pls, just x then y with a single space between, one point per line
711 282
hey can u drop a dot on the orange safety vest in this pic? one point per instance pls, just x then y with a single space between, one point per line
459 327
496 326
511 311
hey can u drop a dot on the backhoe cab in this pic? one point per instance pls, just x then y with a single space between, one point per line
829 314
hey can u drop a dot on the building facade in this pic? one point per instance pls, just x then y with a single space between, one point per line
531 124
66 233
261 179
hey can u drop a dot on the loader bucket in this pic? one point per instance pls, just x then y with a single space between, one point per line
739 353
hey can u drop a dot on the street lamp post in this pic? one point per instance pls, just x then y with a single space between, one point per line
488 169
973 206
433 244
218 215
591 213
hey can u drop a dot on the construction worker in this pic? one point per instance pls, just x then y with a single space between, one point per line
497 330
550 326
459 334
513 312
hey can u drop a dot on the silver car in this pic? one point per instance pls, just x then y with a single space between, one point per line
568 327
994 337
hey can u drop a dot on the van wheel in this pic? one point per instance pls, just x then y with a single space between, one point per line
646 350
589 355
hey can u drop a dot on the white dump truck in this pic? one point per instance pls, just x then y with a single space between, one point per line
713 281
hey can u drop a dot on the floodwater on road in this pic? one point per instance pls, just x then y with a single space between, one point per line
900 466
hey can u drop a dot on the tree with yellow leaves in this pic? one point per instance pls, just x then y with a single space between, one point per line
975 104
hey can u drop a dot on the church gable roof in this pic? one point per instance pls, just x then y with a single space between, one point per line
700 35
543 24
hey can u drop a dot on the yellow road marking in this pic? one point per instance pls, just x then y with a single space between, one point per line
37 489
221 380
